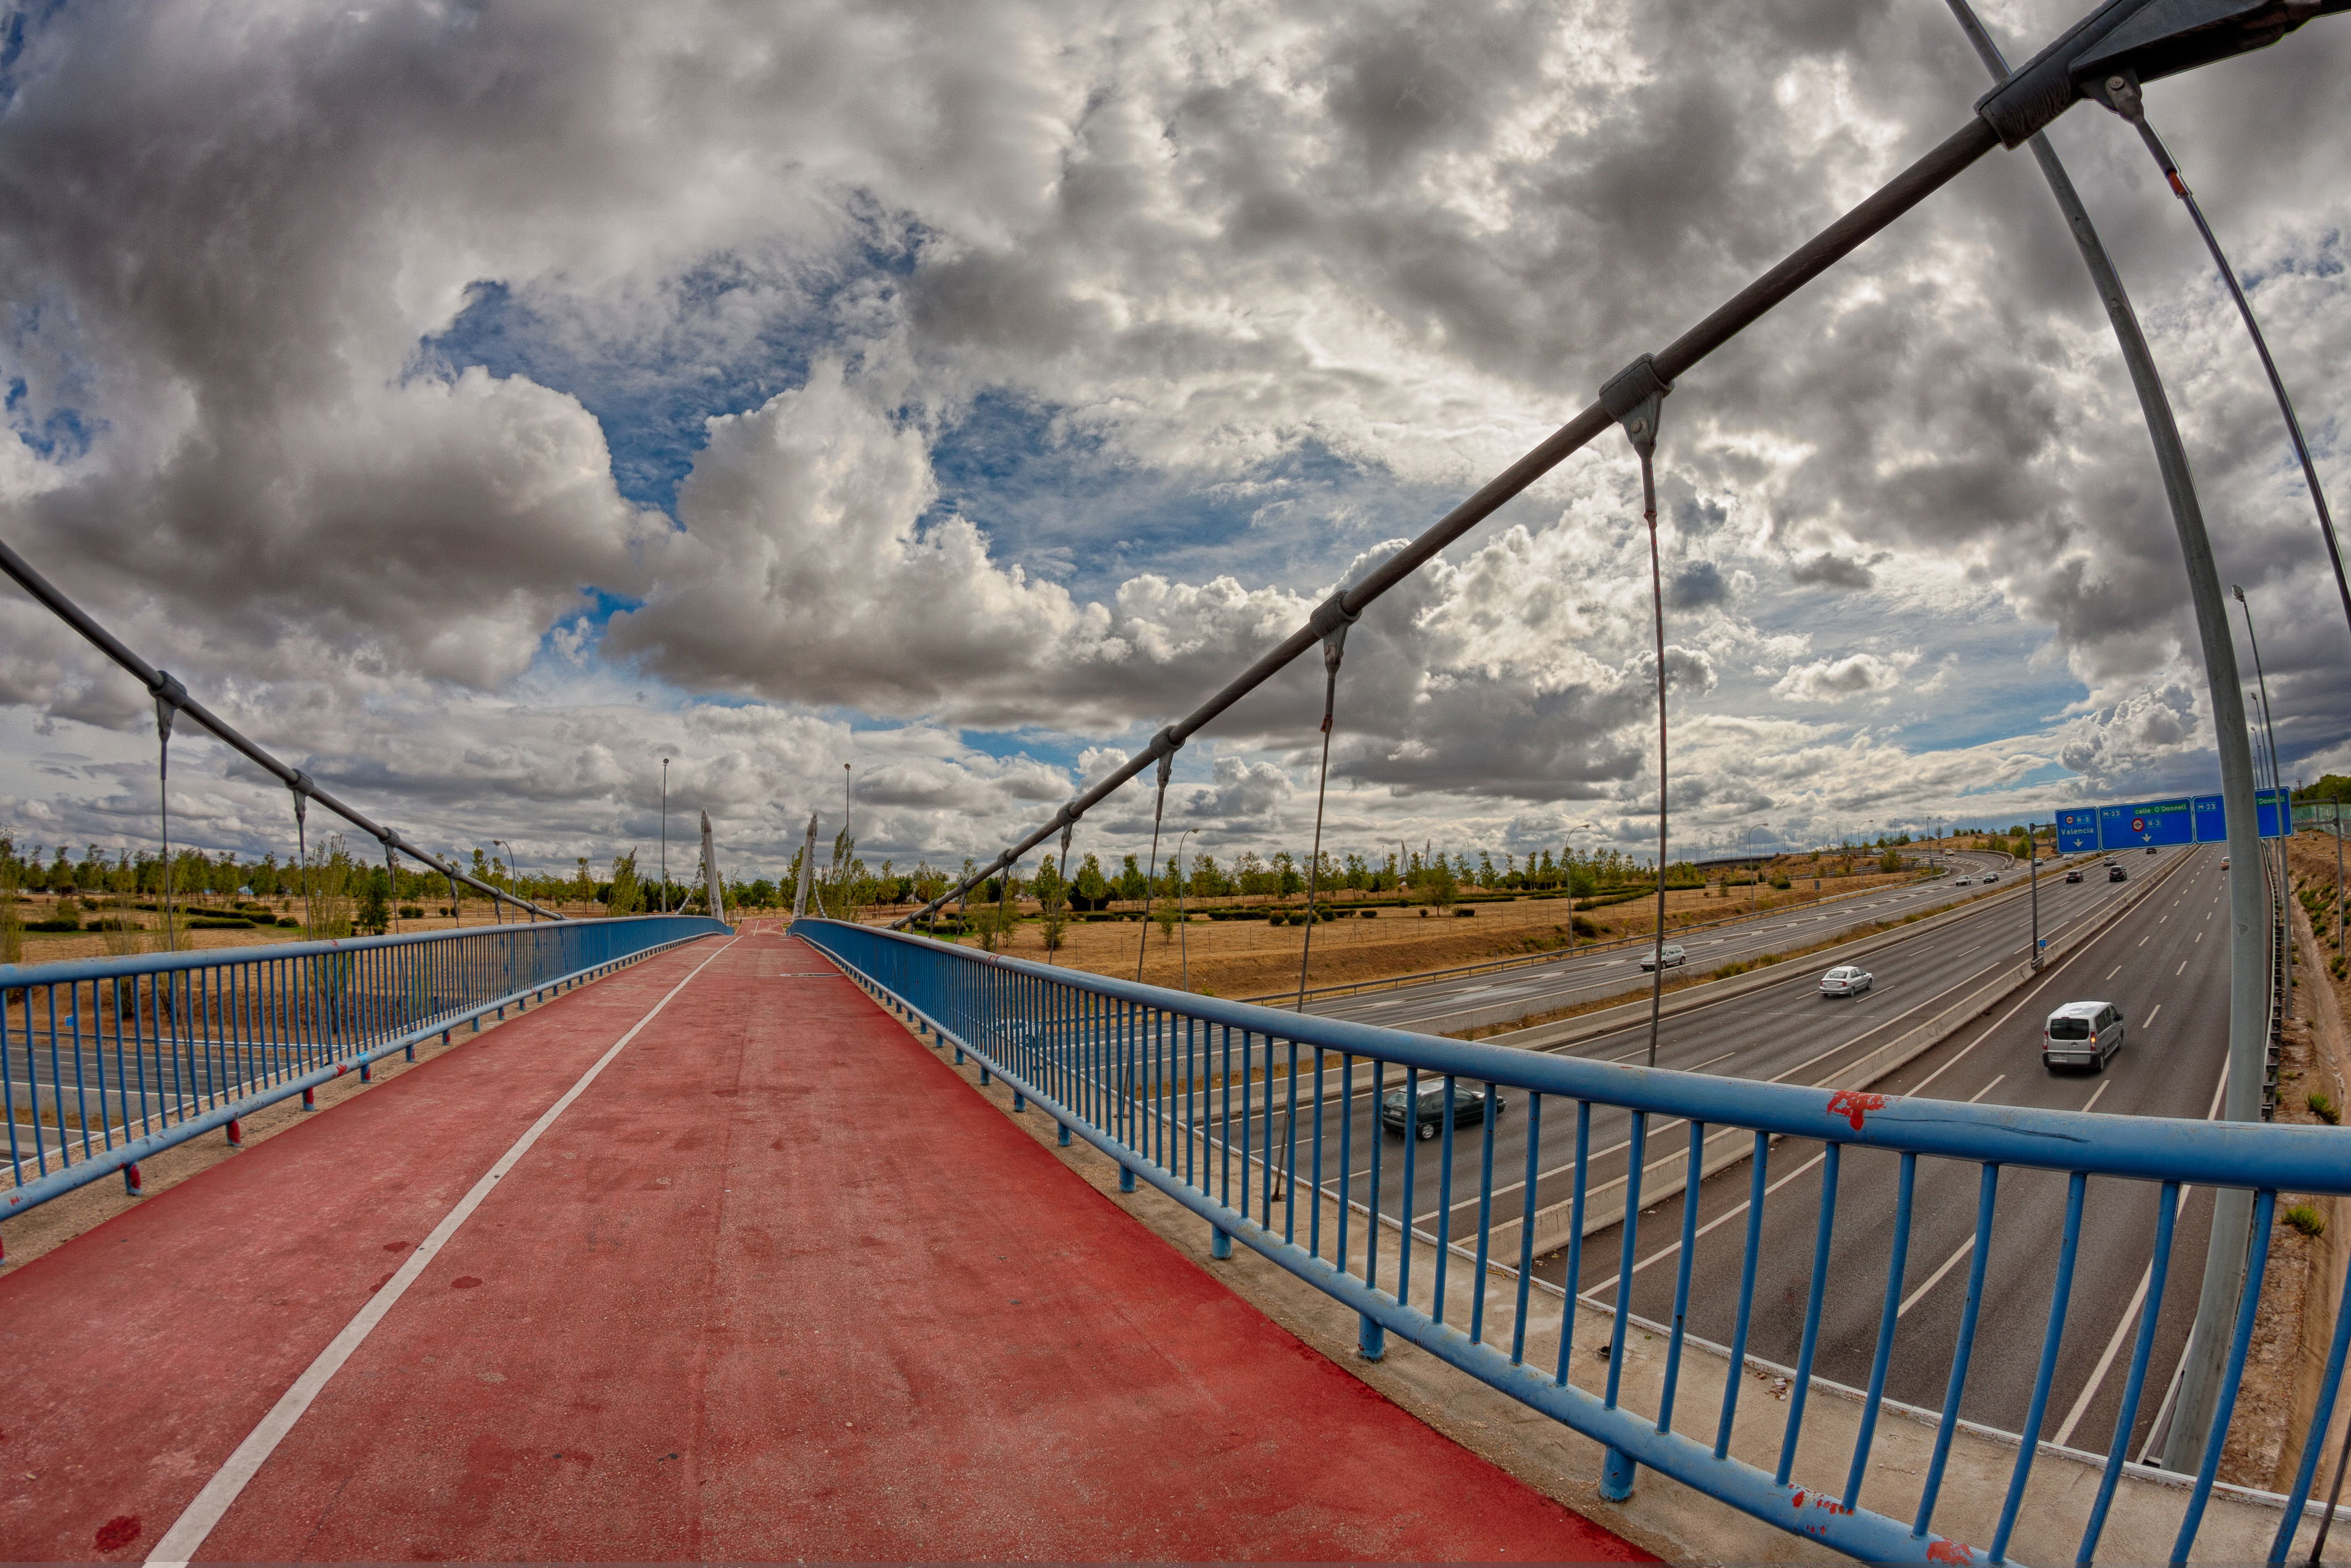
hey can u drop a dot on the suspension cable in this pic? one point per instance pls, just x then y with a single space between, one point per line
1637 396
169 693
302 840
1166 767
1062 870
2122 97
1334 648
161 685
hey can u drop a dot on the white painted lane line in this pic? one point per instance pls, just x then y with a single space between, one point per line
2113 972
179 1543
1718 1219
2182 970
2130 1313
1935 1278
1987 1089
2093 1103
2153 1010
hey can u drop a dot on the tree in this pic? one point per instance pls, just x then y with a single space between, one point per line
628 894
376 914
1132 886
1092 886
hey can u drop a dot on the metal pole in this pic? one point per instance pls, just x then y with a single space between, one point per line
2338 873
2277 772
1183 921
2034 856
664 836
2249 929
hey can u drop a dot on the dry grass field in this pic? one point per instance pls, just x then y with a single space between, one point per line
1252 958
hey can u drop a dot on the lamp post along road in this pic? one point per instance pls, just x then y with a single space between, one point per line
664 836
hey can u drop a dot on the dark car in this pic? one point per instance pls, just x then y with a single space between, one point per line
2151 849
1468 1105
2073 875
2116 873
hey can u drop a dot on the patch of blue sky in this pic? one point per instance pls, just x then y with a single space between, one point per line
1063 501
57 434
731 335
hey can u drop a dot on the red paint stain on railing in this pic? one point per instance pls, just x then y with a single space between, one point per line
1855 1106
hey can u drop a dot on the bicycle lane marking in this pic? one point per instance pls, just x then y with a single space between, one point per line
179 1544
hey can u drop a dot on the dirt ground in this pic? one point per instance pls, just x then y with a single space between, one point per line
2296 1314
1252 958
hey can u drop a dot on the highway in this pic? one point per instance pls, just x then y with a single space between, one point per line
1473 1001
2162 962
2166 964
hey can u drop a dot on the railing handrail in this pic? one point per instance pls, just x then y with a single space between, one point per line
58 972
2244 1154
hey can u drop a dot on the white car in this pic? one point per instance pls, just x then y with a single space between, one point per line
2081 1034
1964 882
1672 955
1847 980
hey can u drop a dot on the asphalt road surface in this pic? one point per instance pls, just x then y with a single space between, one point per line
2164 963
1471 1001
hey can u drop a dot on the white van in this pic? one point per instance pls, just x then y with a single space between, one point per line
2081 1034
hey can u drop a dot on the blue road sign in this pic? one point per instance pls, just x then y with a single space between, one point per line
2149 823
2077 832
2197 819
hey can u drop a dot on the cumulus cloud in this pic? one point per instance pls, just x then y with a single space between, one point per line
1833 680
419 377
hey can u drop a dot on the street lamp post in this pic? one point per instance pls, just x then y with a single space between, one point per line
1183 921
2032 860
664 836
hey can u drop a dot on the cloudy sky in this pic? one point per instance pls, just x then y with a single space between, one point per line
477 403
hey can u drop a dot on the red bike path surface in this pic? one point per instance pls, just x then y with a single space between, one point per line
777 1284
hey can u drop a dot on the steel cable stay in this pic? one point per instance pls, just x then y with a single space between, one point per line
166 689
2121 35
1159 804
2122 94
1637 398
1334 650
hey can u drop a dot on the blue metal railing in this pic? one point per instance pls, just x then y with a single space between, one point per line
106 1061
1237 1112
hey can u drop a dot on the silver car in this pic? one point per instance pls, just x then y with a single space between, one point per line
1847 980
1672 955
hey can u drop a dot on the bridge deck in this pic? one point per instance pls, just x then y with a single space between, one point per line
773 1285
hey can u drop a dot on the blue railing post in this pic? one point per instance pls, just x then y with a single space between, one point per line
1130 1068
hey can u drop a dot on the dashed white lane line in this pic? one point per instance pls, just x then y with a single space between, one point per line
180 1543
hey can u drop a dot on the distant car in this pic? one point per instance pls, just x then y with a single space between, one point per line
1991 876
2074 874
1847 980
2224 863
1964 882
2151 849
1468 1105
2116 873
1672 955
2081 1034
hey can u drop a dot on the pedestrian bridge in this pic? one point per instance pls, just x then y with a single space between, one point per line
735 1244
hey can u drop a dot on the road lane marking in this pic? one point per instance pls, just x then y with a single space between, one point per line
1935 1278
2112 973
2093 1104
2130 1313
1987 1089
2182 970
179 1543
1718 1219
2153 1010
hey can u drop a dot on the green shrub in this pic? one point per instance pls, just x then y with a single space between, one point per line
1278 918
2307 1219
2322 1106
411 911
1463 913
1368 914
